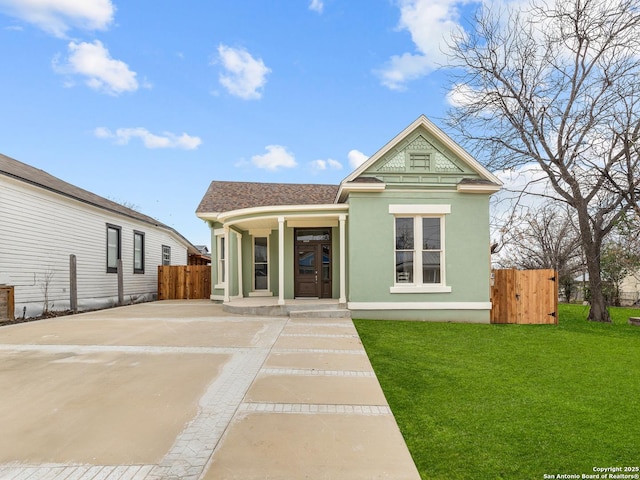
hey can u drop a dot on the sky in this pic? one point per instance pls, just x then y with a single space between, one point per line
146 102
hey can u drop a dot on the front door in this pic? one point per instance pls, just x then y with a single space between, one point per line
313 263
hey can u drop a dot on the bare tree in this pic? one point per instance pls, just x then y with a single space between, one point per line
557 85
546 237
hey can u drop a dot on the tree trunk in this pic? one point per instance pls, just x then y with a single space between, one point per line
598 311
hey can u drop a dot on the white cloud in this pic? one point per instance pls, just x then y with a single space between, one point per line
316 5
329 164
429 22
101 72
277 156
356 158
57 17
244 75
150 140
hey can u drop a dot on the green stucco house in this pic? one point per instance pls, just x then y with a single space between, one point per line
404 236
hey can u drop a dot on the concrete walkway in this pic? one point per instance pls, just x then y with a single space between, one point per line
183 390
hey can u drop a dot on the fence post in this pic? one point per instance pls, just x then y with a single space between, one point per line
73 284
120 283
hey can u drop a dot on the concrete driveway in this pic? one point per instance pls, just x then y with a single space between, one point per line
181 389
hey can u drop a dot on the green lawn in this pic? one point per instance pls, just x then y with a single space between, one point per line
512 401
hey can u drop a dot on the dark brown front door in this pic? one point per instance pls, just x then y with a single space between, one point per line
313 263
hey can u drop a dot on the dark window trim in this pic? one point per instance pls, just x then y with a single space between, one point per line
135 234
119 253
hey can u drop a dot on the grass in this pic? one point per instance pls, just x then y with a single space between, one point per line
512 401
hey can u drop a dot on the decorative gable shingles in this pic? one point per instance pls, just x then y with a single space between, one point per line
420 159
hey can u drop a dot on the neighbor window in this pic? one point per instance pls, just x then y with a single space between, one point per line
113 248
138 252
418 250
166 255
260 263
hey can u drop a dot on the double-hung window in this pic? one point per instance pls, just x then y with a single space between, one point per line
113 248
260 264
419 248
166 255
138 252
221 254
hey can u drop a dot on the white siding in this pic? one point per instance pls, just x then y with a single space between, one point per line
40 229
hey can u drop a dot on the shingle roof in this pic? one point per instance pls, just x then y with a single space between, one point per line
227 196
28 174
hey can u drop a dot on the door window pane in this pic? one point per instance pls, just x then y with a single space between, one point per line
306 263
326 262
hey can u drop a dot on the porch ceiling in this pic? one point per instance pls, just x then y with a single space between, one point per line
260 219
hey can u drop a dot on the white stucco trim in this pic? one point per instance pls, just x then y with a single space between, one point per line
420 289
280 260
478 188
343 261
419 305
222 217
417 209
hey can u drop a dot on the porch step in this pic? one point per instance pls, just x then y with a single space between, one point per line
320 310
325 313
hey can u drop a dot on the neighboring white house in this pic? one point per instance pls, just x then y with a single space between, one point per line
44 220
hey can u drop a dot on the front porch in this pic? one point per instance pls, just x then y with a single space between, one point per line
298 308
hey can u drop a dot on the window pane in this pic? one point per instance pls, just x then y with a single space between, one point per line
166 255
431 267
326 262
404 267
313 234
137 251
112 247
260 249
431 233
261 277
404 233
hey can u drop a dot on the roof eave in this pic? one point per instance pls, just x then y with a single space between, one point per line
348 187
479 188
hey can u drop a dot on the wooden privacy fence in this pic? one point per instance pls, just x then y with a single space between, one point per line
184 282
6 303
524 296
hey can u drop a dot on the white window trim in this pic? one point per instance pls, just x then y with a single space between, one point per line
254 291
417 212
220 234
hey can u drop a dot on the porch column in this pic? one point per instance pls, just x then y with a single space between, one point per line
239 243
280 260
343 260
227 261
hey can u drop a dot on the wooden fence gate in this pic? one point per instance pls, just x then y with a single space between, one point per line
524 296
184 282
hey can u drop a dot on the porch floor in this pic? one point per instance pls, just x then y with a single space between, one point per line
299 307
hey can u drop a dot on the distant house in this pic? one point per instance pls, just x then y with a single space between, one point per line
404 236
44 220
